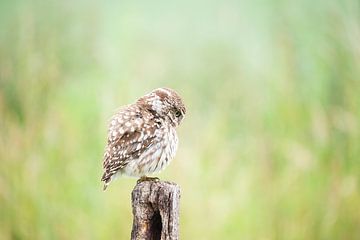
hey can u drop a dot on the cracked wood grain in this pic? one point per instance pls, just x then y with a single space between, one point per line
155 207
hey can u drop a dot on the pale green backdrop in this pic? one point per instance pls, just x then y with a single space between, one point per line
270 145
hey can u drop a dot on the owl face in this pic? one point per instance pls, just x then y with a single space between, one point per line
165 103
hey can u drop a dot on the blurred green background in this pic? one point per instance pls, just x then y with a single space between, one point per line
270 146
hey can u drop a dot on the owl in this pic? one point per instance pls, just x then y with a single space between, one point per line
142 136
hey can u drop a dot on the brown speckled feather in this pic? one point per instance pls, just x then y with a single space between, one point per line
126 139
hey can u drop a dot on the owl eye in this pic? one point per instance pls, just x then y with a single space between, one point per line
177 114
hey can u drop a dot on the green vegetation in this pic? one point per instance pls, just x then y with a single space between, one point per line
270 147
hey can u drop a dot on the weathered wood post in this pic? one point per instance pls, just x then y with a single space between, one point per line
155 206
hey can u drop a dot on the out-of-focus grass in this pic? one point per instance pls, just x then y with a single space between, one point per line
270 146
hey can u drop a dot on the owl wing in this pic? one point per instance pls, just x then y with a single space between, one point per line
130 134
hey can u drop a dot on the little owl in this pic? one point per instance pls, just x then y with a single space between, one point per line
142 138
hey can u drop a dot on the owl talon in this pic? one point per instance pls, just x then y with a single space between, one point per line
145 178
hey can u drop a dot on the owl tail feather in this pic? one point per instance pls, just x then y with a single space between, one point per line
106 185
106 179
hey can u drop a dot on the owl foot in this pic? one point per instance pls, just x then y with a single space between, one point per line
145 178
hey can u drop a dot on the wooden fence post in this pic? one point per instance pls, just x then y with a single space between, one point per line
155 207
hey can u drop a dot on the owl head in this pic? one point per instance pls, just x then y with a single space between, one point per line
165 103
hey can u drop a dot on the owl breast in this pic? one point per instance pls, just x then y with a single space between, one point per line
157 156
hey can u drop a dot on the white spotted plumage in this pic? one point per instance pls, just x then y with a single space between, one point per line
142 138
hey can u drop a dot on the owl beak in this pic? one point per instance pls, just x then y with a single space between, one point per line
182 116
173 121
